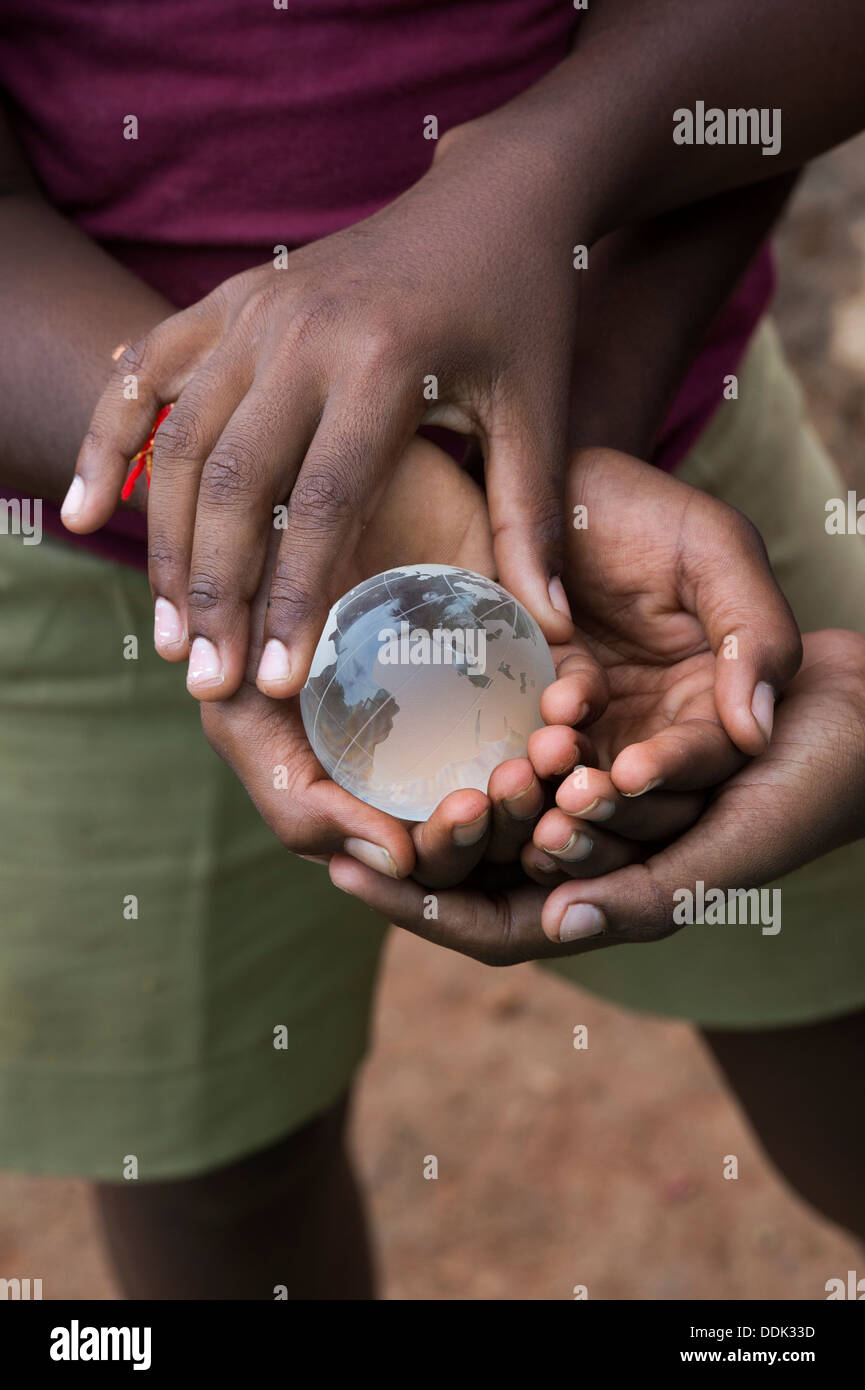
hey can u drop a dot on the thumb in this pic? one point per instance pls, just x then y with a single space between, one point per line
525 492
749 625
628 905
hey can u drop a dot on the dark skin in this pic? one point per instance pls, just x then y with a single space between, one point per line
131 317
659 572
777 813
289 1217
91 305
303 384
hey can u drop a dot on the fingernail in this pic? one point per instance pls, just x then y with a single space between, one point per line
578 847
581 919
763 708
205 665
274 664
471 831
649 787
168 630
74 500
599 809
558 597
372 855
516 805
542 861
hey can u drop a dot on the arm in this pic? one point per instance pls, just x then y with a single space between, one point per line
650 295
65 307
602 122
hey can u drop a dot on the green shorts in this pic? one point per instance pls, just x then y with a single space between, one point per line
175 986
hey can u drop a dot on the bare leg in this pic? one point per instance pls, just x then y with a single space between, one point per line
801 1090
288 1215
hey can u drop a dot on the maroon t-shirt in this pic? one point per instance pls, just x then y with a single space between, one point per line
260 126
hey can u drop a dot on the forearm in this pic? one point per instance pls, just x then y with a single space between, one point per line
601 124
65 307
650 294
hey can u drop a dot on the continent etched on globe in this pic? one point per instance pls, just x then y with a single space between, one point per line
425 678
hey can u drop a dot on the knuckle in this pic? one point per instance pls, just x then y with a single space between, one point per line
548 519
265 300
322 495
205 593
499 948
656 918
230 473
745 533
178 437
379 344
137 358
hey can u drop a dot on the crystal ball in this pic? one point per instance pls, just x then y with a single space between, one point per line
425 678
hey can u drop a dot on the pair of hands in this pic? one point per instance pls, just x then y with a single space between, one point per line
646 585
302 386
305 385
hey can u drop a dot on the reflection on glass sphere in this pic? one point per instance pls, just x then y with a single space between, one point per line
425 678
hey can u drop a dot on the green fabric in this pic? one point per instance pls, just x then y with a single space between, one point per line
760 455
154 1036
151 1037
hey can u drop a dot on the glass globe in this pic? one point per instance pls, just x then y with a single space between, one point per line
425 678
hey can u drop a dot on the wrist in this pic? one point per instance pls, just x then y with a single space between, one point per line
525 150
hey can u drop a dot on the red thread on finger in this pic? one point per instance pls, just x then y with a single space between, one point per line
143 459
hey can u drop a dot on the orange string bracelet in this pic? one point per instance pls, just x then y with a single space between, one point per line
143 459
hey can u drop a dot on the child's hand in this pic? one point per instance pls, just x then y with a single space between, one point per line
454 305
661 728
660 574
804 797
431 511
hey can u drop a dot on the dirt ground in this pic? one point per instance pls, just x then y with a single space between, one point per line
560 1167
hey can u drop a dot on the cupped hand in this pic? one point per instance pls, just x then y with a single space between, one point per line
431 511
802 798
679 607
660 574
302 384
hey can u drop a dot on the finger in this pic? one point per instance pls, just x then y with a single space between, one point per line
619 907
145 377
500 930
777 813
180 448
581 691
525 473
517 800
589 794
686 756
749 625
555 751
268 751
579 848
247 472
452 841
542 868
356 447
